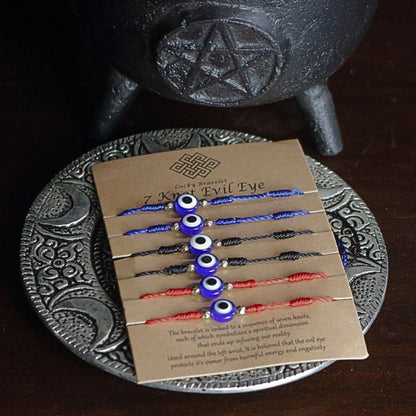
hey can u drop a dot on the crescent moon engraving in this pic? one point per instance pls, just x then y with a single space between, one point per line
354 272
328 193
79 211
98 311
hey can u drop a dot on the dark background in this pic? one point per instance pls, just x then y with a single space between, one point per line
50 83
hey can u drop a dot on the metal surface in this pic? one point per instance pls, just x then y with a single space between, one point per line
69 277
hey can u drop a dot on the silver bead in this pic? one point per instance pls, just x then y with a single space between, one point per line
206 314
190 268
241 310
224 263
184 247
169 205
209 223
175 226
196 290
229 286
203 202
217 243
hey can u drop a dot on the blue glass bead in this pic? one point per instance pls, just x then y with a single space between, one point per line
211 287
222 310
200 244
191 224
186 204
206 264
342 251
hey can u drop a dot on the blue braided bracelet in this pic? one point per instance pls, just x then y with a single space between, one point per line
192 224
188 204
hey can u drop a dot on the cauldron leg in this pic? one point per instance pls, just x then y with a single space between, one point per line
120 94
318 107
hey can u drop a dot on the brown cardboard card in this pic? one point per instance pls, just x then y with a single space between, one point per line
193 348
303 334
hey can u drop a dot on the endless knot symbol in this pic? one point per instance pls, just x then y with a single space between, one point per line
194 165
219 63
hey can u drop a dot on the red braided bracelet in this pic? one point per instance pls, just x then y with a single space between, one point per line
211 287
223 310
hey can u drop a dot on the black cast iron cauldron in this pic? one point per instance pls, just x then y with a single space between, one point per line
227 53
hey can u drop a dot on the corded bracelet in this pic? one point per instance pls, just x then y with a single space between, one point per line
207 264
223 310
192 224
188 204
202 243
211 287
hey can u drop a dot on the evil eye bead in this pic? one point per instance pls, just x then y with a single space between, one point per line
222 310
206 264
200 244
186 204
191 224
211 287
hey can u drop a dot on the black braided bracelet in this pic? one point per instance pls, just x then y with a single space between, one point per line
202 243
207 264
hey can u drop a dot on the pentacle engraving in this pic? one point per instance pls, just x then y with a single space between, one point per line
194 165
219 63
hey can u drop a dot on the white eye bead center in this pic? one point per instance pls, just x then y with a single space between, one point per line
200 241
192 220
223 307
206 260
212 283
187 201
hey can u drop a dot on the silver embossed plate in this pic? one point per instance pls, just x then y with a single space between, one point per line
69 277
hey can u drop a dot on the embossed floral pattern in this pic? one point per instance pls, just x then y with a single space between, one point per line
58 264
